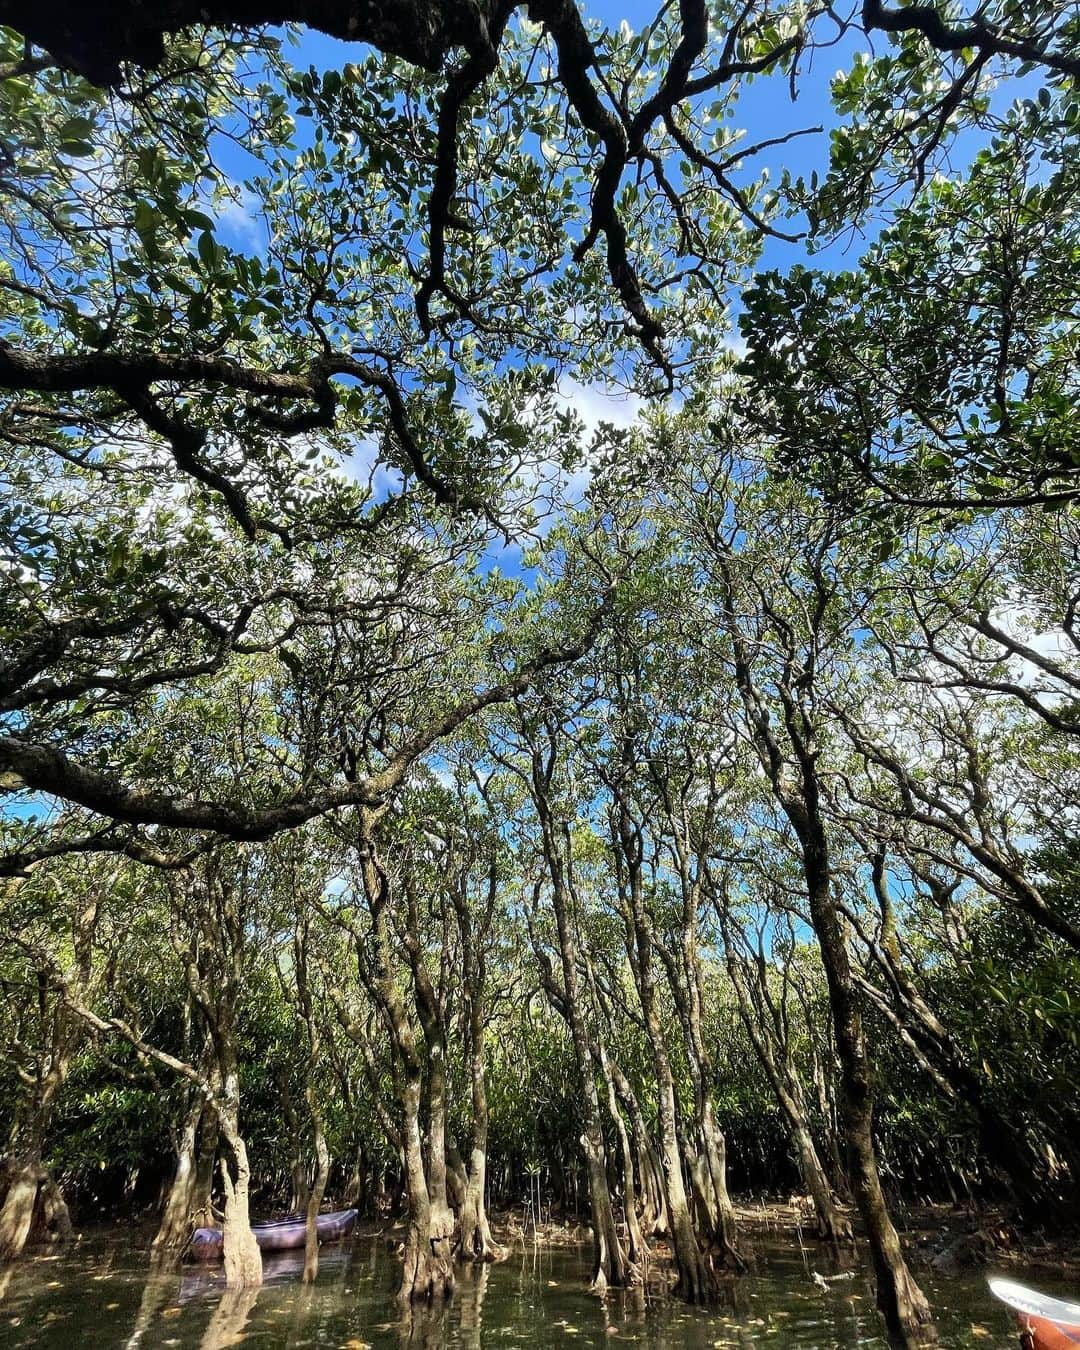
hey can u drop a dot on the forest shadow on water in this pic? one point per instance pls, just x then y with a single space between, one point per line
101 1295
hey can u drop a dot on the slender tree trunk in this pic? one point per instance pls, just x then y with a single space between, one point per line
696 1280
356 1188
650 1180
709 1165
175 1227
318 1189
298 1173
774 1058
428 1273
299 1186
826 1101
610 1264
1023 1168
713 1179
831 1223
476 1242
654 1212
635 1243
901 1301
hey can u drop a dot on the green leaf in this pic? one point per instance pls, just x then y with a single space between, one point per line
200 310
208 250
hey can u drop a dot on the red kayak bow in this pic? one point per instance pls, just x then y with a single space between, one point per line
1045 1323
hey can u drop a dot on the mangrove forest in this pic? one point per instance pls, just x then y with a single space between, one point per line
539 670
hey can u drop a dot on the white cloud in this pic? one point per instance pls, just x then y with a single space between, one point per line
240 216
596 403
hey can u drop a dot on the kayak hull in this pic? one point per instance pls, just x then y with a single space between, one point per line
207 1244
1045 1323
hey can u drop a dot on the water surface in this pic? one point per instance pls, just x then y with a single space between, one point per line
98 1295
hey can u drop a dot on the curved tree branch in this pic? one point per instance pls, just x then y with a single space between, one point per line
47 769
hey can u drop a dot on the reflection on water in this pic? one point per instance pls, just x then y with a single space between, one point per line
101 1295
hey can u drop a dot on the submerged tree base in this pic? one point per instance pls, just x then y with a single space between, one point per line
428 1272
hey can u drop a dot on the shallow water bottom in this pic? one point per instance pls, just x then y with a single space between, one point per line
98 1295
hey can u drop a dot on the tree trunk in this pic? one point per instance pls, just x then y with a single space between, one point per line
832 1225
475 1242
315 1194
17 1215
429 1271
830 1121
714 1176
55 1212
775 1058
635 1244
696 1281
901 1301
176 1226
457 1181
650 1181
202 1210
356 1188
610 1265
441 1217
1022 1167
299 1188
243 1260
654 1204
428 1274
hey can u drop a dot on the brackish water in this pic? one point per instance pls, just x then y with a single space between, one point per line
99 1295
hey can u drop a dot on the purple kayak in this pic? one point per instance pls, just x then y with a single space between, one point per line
277 1235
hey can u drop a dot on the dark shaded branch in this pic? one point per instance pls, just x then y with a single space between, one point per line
96 37
45 768
983 37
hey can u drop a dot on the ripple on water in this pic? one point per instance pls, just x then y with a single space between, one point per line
99 1295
